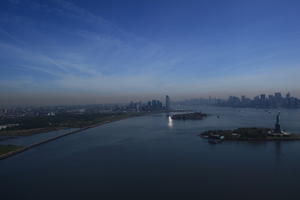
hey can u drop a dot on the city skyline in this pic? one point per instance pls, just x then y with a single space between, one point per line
72 52
263 100
275 100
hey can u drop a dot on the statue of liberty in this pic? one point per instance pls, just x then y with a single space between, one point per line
277 125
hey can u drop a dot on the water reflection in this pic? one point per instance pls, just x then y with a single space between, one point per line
170 122
278 150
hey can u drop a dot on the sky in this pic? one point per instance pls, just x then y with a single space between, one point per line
72 51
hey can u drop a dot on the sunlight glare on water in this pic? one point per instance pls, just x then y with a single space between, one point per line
170 122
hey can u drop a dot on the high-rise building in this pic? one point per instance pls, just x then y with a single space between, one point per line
168 103
288 100
278 99
278 95
243 99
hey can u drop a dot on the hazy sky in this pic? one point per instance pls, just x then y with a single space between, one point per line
112 51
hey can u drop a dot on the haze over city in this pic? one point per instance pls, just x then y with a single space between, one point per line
71 52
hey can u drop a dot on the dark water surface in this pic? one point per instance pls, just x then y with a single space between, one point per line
152 157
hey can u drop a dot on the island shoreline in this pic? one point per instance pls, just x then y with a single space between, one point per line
248 135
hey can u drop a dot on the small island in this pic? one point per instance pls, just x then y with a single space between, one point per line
250 134
189 116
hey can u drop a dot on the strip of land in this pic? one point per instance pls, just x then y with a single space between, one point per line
39 124
28 132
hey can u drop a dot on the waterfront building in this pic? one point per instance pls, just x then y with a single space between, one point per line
168 103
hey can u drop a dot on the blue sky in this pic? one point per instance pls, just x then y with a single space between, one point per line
113 51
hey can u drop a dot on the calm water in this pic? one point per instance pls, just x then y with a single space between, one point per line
152 157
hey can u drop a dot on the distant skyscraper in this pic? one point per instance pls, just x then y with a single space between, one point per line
243 99
168 103
278 95
288 100
278 99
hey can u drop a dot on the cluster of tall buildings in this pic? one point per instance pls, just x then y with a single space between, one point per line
153 105
168 103
261 101
33 111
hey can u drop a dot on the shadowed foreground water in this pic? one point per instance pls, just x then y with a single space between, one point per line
151 157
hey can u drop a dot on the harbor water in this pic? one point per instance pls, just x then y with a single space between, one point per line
154 157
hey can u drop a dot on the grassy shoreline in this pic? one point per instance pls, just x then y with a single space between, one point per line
6 148
28 132
81 121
